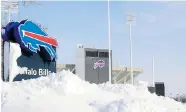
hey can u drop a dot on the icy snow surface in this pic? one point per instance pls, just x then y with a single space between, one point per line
66 92
15 53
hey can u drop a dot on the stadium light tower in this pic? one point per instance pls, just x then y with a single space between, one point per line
9 7
110 69
130 21
29 2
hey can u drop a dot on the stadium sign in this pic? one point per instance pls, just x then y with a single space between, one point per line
37 47
30 37
41 72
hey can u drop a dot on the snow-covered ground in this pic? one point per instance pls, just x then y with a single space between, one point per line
65 92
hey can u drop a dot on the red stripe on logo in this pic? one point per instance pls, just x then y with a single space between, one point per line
41 38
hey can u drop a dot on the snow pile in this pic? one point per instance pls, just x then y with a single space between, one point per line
66 92
12 52
15 53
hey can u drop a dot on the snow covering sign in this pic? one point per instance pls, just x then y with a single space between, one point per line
37 50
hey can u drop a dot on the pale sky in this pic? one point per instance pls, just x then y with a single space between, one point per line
160 31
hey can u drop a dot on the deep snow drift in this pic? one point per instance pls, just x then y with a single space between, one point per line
65 92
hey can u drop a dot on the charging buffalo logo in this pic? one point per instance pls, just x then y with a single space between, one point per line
99 64
33 37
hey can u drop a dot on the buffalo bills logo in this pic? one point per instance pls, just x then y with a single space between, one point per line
31 38
99 64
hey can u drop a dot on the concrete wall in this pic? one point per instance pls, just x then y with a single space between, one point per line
80 63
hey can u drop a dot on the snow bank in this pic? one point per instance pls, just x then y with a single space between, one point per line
15 53
66 92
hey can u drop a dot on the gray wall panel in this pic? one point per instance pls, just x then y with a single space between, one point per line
85 66
104 72
91 73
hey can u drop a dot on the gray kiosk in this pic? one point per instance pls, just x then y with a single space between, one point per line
92 64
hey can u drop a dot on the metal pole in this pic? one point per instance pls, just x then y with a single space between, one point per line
109 42
8 14
8 63
131 68
153 81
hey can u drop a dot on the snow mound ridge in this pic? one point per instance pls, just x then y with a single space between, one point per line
66 92
64 82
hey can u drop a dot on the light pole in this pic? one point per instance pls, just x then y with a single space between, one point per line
9 7
130 19
110 69
153 81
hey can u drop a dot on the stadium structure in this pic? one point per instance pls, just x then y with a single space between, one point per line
120 74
